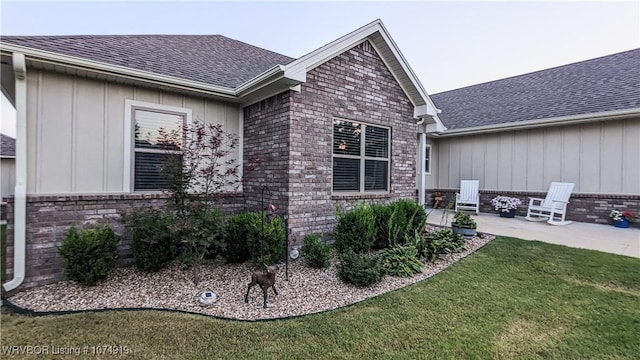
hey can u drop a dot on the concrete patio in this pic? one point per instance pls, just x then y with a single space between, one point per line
598 237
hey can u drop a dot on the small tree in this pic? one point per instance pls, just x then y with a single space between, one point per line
203 170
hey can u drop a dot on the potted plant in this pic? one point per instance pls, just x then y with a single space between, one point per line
463 224
621 219
506 205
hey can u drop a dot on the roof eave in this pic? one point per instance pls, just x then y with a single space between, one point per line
120 71
538 123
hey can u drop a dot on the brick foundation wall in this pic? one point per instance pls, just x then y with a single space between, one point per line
50 217
355 85
590 208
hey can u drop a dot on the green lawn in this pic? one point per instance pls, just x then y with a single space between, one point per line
512 299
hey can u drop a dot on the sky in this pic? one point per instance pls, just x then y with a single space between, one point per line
448 45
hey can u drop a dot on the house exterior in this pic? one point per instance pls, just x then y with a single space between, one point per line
347 123
332 128
578 123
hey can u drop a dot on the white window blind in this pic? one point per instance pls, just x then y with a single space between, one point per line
152 150
360 157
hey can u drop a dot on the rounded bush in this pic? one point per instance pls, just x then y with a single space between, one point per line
316 253
89 255
153 246
360 269
356 230
236 237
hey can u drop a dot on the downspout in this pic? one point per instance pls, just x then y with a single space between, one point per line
20 196
422 149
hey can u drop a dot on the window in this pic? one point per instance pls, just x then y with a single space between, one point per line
146 123
427 159
360 157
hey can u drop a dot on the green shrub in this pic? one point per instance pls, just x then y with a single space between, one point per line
201 233
406 217
397 222
356 230
89 255
153 246
236 235
442 242
360 269
266 245
316 253
382 214
401 261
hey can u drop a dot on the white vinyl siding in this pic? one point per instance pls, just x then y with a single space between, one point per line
361 154
76 137
599 157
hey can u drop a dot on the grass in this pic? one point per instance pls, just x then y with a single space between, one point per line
512 299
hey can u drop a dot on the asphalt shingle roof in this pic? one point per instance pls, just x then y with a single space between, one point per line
211 59
597 85
7 145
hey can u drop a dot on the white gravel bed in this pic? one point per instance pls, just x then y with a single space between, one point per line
307 291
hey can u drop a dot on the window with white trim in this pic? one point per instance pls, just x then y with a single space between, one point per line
151 151
427 159
360 157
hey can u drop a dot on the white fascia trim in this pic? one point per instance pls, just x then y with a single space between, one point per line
298 68
129 107
530 124
431 109
96 66
266 77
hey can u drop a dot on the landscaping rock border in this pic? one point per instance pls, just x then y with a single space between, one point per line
308 290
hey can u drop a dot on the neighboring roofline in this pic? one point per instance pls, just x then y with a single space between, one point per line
423 106
537 123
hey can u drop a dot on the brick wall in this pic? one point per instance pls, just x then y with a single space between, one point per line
590 208
50 217
355 85
266 140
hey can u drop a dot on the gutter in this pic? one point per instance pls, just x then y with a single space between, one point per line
46 57
538 123
121 71
262 78
20 195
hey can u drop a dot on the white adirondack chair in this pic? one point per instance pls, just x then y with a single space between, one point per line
553 207
469 196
